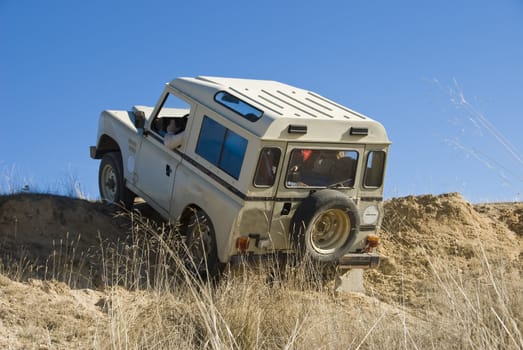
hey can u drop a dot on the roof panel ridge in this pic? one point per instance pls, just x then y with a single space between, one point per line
302 102
326 100
289 103
206 79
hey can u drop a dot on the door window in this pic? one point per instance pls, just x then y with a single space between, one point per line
172 107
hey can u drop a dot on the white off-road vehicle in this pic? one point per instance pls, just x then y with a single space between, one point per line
265 169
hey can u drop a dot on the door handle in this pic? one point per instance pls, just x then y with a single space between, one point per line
286 208
168 170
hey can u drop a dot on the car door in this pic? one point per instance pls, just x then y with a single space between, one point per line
155 163
156 169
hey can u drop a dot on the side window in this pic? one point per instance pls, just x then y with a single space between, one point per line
267 167
172 107
210 141
232 154
221 146
374 169
241 107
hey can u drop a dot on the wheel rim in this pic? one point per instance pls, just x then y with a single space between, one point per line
329 231
109 183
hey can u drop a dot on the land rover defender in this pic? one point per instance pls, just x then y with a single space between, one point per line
264 169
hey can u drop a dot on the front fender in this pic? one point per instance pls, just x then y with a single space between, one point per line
117 133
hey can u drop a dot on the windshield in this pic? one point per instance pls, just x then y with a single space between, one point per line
321 168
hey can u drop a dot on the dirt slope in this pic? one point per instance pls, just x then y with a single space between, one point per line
40 234
38 222
49 232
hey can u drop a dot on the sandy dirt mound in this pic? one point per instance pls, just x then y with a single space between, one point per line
511 214
47 314
444 235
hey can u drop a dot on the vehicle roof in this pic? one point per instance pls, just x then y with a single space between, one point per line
281 104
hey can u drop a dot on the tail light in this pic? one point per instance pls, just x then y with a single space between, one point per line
242 243
373 241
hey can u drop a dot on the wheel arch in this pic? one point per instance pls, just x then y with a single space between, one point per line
221 246
186 213
105 145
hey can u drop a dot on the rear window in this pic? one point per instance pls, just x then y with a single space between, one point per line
321 168
267 167
239 106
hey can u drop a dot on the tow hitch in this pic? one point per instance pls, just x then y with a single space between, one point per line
359 261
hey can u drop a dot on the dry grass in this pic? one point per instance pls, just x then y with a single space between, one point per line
483 309
151 300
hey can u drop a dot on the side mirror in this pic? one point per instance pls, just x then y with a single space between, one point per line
139 119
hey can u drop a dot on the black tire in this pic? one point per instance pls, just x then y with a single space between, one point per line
201 245
111 182
325 225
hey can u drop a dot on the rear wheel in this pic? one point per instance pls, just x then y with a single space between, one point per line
111 182
201 245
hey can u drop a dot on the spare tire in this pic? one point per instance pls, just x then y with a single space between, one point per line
325 225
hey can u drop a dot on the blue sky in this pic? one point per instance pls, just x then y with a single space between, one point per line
444 77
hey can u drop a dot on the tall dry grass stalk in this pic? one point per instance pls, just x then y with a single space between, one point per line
484 306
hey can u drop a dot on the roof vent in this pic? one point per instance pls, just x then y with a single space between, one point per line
359 131
297 129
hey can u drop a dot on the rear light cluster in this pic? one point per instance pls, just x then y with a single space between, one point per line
243 242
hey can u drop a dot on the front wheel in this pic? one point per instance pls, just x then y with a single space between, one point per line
111 181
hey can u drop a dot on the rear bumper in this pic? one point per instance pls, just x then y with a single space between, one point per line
277 258
359 261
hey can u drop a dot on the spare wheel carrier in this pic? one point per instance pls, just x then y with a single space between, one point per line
325 225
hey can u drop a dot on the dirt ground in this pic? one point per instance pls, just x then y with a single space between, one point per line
42 234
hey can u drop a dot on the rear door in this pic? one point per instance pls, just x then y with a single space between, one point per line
312 167
266 180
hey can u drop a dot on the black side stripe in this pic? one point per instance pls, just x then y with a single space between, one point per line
229 187
371 199
242 195
213 176
207 172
